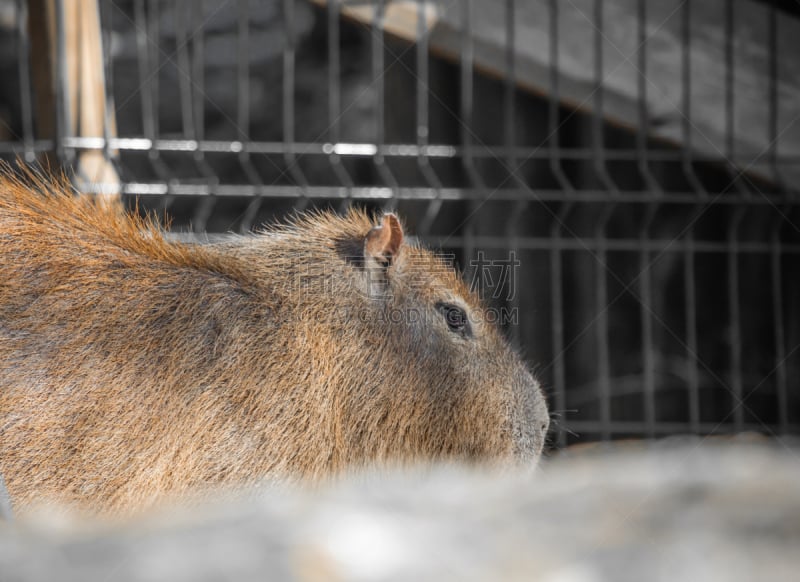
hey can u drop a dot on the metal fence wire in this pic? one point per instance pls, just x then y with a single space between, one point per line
635 162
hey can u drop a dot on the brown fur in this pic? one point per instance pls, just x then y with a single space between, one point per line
134 369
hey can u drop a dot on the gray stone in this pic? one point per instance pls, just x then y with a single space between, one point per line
680 510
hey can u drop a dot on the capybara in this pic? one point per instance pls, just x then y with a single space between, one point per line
135 369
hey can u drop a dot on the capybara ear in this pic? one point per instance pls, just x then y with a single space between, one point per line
383 242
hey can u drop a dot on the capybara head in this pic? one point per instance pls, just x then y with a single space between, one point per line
417 368
135 367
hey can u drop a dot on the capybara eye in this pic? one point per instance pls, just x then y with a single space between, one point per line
456 318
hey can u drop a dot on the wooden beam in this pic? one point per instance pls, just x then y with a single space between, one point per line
739 127
81 88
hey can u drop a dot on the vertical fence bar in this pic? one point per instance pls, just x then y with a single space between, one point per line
686 102
775 240
243 71
466 99
23 67
553 105
643 131
152 33
144 66
509 90
601 339
148 57
422 80
183 67
601 282
197 71
62 97
598 120
772 35
692 375
735 352
648 351
183 21
196 82
379 83
690 289
377 74
423 118
729 78
559 372
334 73
645 286
514 221
735 330
556 233
730 103
289 139
780 337
335 98
243 111
288 80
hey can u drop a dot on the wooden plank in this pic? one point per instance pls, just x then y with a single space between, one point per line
84 89
87 84
42 31
708 128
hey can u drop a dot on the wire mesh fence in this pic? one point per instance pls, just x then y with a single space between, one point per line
636 163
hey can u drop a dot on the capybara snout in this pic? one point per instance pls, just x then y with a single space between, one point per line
534 421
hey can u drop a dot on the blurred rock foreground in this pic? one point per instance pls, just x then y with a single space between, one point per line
676 510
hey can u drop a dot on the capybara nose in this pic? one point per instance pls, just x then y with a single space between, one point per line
531 421
544 423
